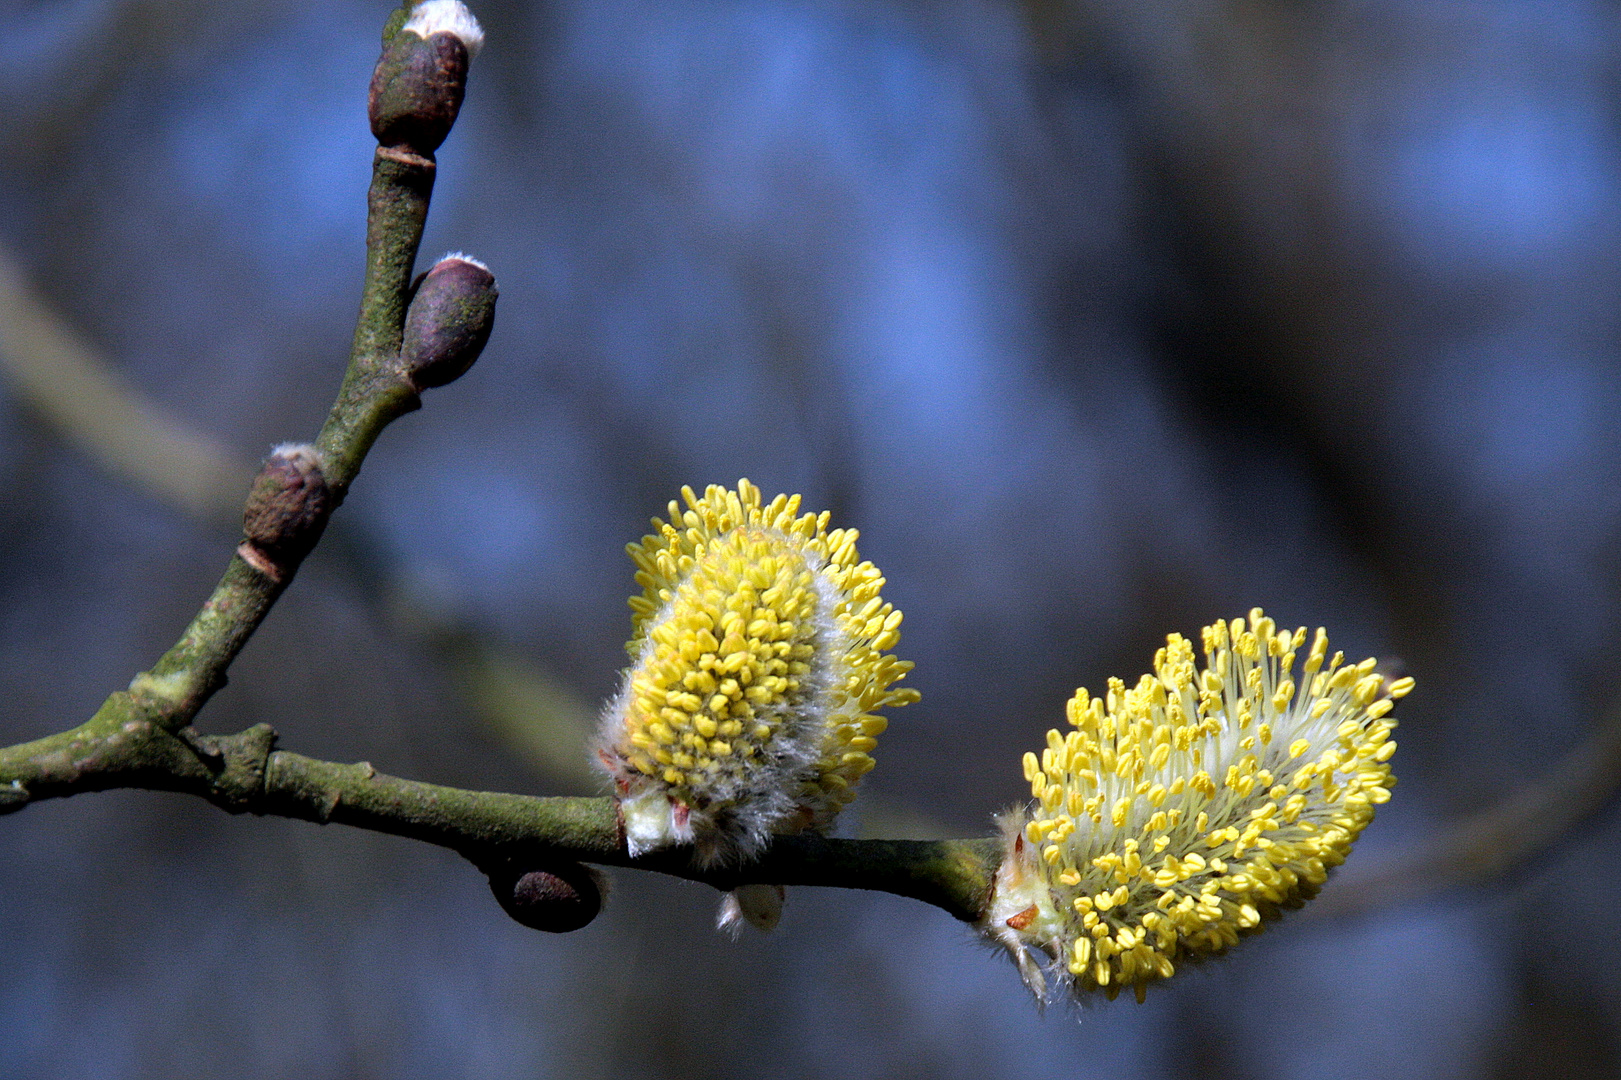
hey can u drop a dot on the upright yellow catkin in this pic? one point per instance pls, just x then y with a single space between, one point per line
759 656
1178 815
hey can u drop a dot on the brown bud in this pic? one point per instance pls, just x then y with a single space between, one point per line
417 87
449 321
557 898
288 505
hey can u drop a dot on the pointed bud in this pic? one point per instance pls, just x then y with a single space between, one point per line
449 321
417 88
287 508
558 898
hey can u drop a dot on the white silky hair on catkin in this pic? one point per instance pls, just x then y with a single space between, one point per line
756 804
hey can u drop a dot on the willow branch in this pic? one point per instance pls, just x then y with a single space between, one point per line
375 388
244 773
47 364
375 391
291 500
143 738
52 369
1497 841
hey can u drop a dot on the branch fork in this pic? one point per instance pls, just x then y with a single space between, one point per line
412 334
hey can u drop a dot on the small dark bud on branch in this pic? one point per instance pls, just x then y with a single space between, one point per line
449 321
417 87
287 506
557 899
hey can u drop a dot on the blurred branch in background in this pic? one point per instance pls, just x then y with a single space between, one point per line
533 713
96 47
1499 841
52 370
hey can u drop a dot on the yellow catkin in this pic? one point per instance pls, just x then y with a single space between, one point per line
1230 792
759 651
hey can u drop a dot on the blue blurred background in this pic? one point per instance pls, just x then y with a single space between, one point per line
1098 318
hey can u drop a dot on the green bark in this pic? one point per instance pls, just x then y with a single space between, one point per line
143 738
244 773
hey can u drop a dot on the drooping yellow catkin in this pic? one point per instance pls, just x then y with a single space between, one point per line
759 647
1178 815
